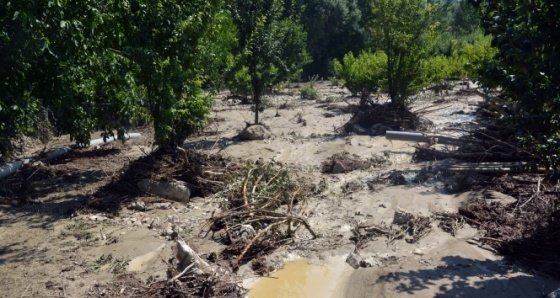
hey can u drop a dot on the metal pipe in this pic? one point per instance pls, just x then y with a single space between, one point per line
406 136
420 138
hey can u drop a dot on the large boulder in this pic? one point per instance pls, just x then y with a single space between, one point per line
255 132
172 190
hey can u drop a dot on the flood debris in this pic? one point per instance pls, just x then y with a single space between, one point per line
518 217
264 206
188 275
189 260
344 162
375 119
406 226
164 175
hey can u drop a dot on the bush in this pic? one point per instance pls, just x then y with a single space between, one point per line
309 92
364 74
239 82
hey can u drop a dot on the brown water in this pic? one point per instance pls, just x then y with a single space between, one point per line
302 279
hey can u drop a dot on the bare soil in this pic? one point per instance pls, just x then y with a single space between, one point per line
66 231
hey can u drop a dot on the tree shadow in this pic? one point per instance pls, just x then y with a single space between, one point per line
464 277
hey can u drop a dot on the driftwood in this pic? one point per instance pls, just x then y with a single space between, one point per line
263 208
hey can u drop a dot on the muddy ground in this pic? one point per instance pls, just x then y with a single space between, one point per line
66 231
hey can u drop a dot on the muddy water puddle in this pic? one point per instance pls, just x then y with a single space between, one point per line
300 278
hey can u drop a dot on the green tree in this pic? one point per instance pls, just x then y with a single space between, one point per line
401 29
364 74
334 27
100 64
271 44
19 111
527 67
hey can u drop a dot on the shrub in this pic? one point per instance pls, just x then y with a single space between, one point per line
364 74
239 82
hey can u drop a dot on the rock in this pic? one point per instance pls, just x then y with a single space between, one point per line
354 260
401 217
163 206
255 132
378 129
173 189
137 205
369 262
353 186
554 294
338 168
97 218
418 252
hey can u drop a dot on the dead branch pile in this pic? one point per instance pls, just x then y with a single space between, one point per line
483 141
527 229
263 207
386 115
414 229
344 163
191 285
203 173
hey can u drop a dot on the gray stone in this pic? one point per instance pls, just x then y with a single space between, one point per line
401 216
137 205
369 262
354 260
255 132
173 190
338 168
353 186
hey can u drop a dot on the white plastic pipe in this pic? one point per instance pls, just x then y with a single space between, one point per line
100 141
11 168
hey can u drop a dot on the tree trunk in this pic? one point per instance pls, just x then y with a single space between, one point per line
257 101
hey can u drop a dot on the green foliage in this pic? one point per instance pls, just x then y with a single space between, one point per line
101 64
401 29
364 74
271 44
527 67
334 27
308 91
240 82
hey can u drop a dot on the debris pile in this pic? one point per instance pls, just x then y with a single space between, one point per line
344 163
263 206
526 229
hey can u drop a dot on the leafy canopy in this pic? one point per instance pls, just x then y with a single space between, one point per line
271 44
401 29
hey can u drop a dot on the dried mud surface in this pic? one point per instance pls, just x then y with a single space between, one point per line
66 230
